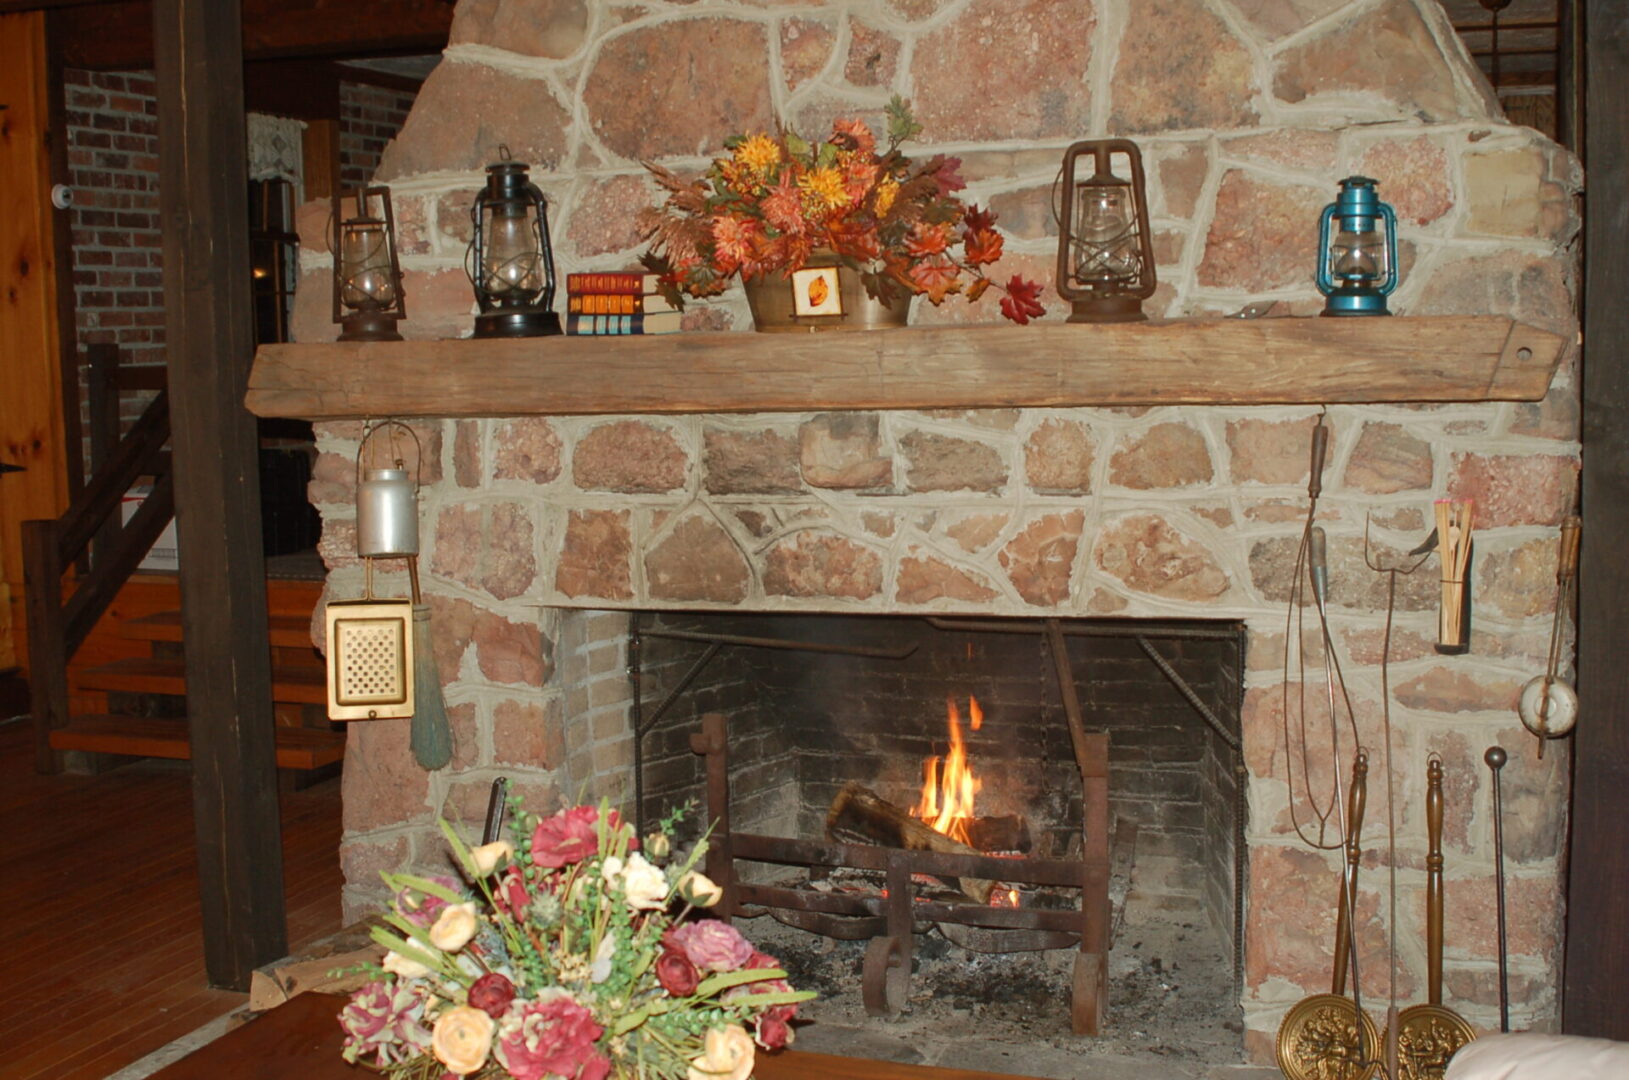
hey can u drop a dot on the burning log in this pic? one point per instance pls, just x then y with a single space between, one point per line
859 811
1008 832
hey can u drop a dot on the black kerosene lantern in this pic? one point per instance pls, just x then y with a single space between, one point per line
368 298
509 261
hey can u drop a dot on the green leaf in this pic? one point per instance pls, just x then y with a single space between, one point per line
725 980
779 997
436 962
797 145
425 886
902 125
827 155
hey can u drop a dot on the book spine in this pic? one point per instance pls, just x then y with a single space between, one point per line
604 303
624 281
584 324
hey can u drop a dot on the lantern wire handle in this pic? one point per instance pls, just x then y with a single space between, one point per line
372 429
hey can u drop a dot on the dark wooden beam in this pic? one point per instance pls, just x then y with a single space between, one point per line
204 202
119 36
1598 865
7 7
67 302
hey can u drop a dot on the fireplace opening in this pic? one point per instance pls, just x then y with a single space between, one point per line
808 713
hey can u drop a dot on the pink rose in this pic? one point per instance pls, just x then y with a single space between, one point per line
511 895
555 1037
492 993
382 1019
773 1031
676 973
567 837
711 944
422 909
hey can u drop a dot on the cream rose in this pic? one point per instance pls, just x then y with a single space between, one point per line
453 927
401 965
462 1039
699 889
727 1054
488 857
645 885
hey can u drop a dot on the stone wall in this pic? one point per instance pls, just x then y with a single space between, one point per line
1247 112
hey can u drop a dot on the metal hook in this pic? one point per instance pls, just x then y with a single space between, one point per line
370 429
1373 563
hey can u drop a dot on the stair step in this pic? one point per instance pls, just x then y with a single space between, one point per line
288 631
298 684
142 736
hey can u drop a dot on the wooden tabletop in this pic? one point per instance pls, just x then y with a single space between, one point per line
301 1039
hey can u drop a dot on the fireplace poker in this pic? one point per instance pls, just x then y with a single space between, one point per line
1496 758
494 810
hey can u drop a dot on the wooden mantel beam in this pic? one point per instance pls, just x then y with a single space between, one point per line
115 36
1183 361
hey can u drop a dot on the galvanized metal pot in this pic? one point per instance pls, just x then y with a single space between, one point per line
784 304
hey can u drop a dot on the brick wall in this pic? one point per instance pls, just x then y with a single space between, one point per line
369 117
112 128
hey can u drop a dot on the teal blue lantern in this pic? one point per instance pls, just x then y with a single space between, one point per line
1357 251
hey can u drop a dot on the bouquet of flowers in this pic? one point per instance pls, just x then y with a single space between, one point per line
558 957
776 199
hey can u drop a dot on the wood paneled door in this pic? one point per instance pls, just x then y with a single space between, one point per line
31 425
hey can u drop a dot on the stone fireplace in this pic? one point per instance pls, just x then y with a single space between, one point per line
542 533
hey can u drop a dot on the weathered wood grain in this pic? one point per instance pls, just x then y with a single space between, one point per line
1186 361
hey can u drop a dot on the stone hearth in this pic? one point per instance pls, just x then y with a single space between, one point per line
538 528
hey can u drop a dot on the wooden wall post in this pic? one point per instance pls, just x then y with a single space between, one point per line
198 63
1598 864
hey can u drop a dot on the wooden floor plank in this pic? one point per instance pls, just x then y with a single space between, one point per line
116 949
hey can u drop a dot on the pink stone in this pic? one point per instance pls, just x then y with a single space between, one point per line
1180 43
1167 455
1104 602
1515 489
1512 193
313 315
1366 646
883 525
806 45
679 89
843 450
439 305
528 733
1448 690
1556 417
338 543
1412 177
333 480
1040 560
465 113
467 468
697 561
1305 150
554 29
946 463
1151 556
812 564
1058 458
1534 909
1182 174
311 224
1273 567
594 559
924 578
762 462
486 546
466 739
382 784
411 216
453 223
602 218
1411 71
1006 69
873 55
1025 213
975 532
510 652
1264 234
1270 451
1388 459
526 449
629 456
1532 288
1291 929
362 861
452 626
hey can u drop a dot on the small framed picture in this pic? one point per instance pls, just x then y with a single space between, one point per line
814 291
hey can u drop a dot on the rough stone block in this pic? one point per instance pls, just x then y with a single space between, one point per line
698 561
1263 235
465 113
844 450
1388 459
812 564
1058 458
526 449
1170 43
629 456
924 578
947 463
595 556
486 546
1167 455
762 462
1149 555
1040 560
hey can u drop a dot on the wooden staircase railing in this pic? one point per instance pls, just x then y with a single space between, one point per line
56 628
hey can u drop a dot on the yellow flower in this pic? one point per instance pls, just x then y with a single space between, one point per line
727 1054
758 152
453 927
886 192
462 1038
827 185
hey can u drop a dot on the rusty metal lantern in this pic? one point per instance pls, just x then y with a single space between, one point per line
1105 257
510 262
368 297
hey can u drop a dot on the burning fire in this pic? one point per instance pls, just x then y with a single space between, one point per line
948 790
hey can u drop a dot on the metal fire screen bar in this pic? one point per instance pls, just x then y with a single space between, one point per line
889 921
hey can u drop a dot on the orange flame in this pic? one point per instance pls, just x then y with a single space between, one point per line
948 791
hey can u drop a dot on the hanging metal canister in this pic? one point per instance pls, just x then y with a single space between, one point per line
387 506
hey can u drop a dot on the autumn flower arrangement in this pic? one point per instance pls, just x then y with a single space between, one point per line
776 199
565 953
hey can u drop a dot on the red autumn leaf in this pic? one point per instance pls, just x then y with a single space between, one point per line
978 220
982 247
1022 301
856 238
935 278
976 289
943 170
927 240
